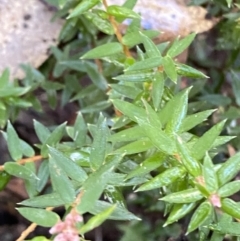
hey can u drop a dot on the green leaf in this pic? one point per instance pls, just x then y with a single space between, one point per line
200 216
179 211
187 71
61 184
53 139
230 207
157 89
13 142
136 77
135 147
164 179
186 196
229 169
130 134
146 64
193 120
93 187
41 217
20 171
191 164
42 132
74 171
130 110
102 24
82 7
43 201
96 76
27 150
205 142
210 177
236 86
179 110
125 90
4 79
152 116
97 220
169 68
229 3
150 47
122 12
4 178
43 175
229 189
133 38
119 213
180 45
231 228
104 50
98 149
158 137
80 130
31 185
148 165
98 106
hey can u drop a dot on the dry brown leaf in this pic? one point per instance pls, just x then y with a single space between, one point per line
26 34
172 17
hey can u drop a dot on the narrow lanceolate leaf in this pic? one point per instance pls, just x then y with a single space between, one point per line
104 50
180 45
82 7
191 164
152 116
148 165
230 228
179 110
54 138
209 174
20 171
80 131
43 201
186 196
135 147
97 220
158 137
229 189
205 142
185 70
122 12
42 132
150 47
229 169
13 142
157 89
179 211
98 150
164 179
130 110
130 134
169 68
94 186
146 64
97 78
202 213
61 183
119 213
193 120
230 207
39 216
74 171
